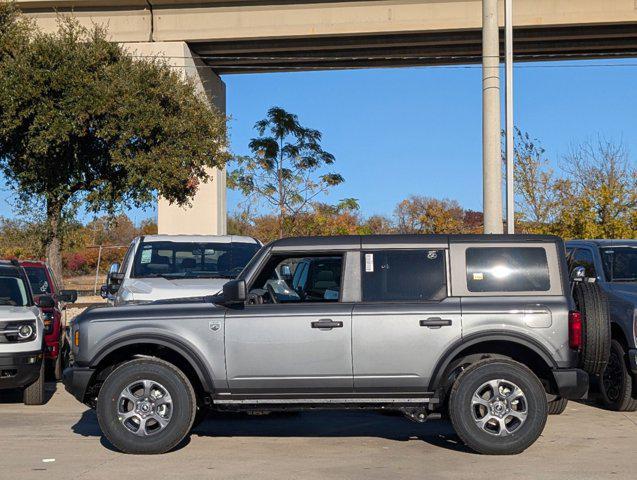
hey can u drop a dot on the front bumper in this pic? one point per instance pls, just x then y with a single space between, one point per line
76 381
632 360
18 370
572 383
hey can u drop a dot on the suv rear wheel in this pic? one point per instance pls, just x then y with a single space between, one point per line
616 383
146 406
557 406
498 407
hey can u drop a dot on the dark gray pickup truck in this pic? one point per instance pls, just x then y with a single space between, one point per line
612 266
479 328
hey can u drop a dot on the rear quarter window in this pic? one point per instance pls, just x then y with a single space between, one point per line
507 269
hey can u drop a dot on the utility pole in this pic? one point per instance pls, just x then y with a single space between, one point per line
510 170
491 144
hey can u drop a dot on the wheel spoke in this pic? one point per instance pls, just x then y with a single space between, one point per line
515 393
148 385
503 431
165 399
520 415
482 422
160 420
128 395
123 416
478 400
495 387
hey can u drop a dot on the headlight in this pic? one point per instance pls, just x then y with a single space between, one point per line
18 332
25 332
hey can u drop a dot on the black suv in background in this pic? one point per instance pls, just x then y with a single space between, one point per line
612 266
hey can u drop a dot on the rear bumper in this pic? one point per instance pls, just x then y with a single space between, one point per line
76 381
19 370
572 383
632 360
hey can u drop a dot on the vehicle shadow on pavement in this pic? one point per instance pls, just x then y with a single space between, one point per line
331 424
307 424
15 396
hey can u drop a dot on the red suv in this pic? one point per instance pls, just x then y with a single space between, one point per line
43 282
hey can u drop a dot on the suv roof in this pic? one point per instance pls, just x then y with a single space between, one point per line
198 238
358 241
10 268
600 242
33 263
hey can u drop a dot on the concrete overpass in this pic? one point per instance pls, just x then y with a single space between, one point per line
241 36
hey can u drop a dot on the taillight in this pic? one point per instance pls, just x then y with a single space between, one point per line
575 339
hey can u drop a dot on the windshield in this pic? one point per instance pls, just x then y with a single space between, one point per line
620 264
192 260
38 280
13 292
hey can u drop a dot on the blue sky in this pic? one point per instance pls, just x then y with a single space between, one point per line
397 132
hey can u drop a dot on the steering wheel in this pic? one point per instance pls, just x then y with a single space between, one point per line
272 293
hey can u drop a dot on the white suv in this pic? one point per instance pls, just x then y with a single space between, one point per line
21 335
158 267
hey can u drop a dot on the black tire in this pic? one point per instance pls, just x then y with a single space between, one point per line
58 366
158 372
616 383
463 412
557 406
592 303
34 393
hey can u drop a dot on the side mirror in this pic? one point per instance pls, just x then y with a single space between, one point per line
104 291
69 296
578 274
114 279
45 301
114 268
112 288
235 292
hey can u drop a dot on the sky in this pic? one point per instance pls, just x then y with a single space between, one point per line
398 132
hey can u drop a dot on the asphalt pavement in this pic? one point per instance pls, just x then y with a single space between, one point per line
62 440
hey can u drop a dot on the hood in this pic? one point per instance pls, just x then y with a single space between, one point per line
626 291
10 314
198 307
164 288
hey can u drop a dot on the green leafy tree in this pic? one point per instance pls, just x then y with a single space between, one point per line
283 170
83 123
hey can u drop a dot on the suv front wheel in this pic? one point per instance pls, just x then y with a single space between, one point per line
146 406
498 407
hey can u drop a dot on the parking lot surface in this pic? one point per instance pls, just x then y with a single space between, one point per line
62 440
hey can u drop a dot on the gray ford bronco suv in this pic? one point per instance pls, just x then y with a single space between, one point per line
481 328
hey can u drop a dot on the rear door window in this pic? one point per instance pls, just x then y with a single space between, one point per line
404 276
507 269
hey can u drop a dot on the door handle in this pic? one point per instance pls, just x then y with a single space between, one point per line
435 322
327 324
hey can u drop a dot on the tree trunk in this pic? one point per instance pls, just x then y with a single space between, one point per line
53 242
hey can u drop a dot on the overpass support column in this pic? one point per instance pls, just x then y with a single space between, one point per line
491 144
208 214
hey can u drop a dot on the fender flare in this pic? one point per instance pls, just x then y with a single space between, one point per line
188 353
482 337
